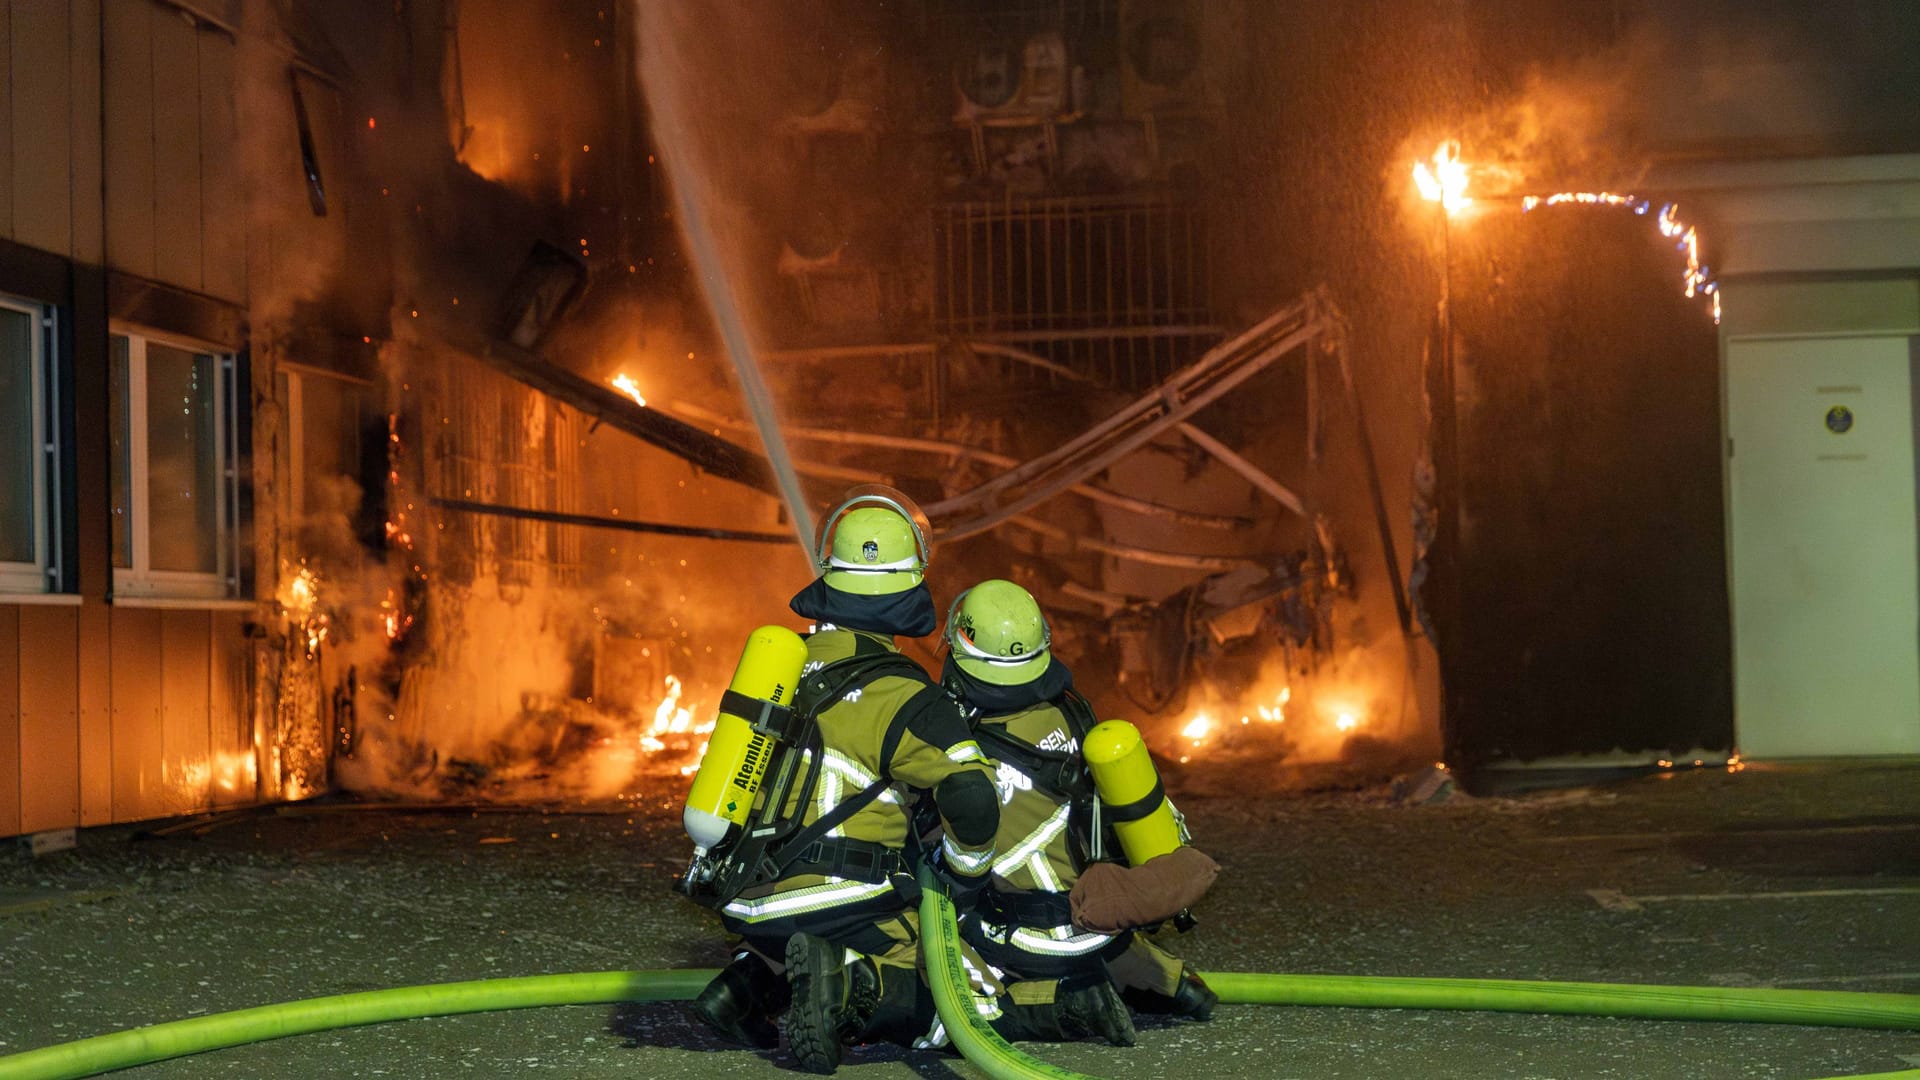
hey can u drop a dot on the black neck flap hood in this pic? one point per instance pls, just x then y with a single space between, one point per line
995 701
903 614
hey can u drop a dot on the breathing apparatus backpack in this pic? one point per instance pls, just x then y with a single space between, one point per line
758 832
1115 795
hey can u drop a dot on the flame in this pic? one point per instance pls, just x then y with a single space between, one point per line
670 717
1346 722
1446 182
1696 279
299 597
625 384
1277 714
1197 728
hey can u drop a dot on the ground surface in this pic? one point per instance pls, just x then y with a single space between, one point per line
1794 878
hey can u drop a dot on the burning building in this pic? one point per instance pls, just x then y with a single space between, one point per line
512 355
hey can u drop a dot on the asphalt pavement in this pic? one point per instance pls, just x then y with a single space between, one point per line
1805 876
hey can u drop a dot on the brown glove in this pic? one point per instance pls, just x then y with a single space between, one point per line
1109 898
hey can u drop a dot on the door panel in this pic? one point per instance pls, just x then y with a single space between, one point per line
1826 576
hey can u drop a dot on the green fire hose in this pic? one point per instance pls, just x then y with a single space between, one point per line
986 1050
952 998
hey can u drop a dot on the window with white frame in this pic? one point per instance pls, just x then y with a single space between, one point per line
29 476
175 477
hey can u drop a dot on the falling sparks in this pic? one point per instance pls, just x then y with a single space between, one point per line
1446 181
624 383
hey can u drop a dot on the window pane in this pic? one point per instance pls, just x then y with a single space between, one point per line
17 525
122 446
183 461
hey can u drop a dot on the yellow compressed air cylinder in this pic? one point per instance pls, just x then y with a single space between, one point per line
1129 788
736 758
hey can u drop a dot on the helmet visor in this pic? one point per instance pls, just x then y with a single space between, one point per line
882 496
991 667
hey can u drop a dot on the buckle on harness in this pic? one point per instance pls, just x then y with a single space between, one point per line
766 718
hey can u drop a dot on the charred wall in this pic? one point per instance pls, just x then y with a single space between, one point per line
1582 607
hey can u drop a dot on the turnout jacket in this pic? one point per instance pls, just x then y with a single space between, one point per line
895 727
1024 923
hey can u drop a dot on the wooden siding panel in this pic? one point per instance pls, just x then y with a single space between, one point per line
184 636
9 720
42 186
235 772
95 685
129 137
83 84
223 204
6 120
135 638
176 152
49 718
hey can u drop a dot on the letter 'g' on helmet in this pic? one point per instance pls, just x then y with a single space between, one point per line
998 634
874 544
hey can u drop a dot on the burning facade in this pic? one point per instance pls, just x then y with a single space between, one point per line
465 500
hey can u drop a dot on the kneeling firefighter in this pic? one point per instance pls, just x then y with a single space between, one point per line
1033 923
813 878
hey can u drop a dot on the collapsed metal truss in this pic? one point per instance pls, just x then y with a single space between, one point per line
1161 408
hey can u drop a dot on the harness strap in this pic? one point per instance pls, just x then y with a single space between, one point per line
810 837
1139 808
1037 909
844 857
766 718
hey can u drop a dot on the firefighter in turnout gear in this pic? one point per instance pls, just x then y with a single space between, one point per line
1028 717
832 904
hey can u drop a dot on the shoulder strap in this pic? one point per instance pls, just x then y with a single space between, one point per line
824 824
1079 714
821 688
1062 773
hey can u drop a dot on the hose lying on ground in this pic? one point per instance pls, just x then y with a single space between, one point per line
179 1038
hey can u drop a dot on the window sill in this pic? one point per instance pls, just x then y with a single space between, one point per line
48 599
184 603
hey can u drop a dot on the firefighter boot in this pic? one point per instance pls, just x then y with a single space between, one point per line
1192 998
903 1011
1070 1012
832 1000
742 1001
1096 1009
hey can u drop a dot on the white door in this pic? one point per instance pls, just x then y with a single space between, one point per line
1825 567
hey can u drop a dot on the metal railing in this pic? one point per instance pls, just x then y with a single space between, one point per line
1118 289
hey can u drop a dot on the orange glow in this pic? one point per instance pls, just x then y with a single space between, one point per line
1446 181
625 384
